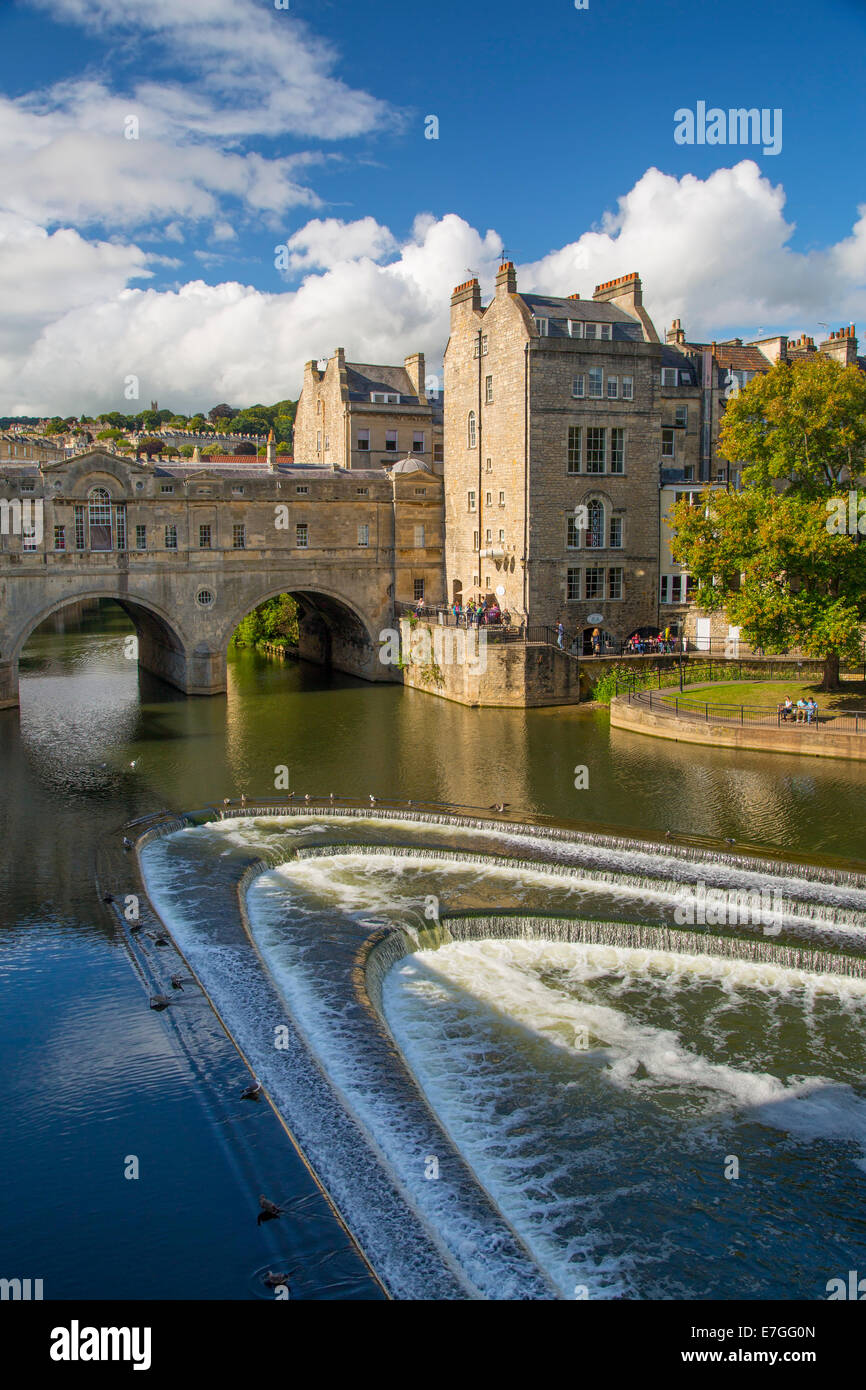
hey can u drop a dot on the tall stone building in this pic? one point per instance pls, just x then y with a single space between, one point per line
553 438
354 415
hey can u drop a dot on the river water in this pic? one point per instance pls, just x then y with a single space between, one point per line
596 1093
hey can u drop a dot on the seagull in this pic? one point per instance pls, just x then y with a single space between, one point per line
252 1092
134 761
729 841
225 801
127 843
273 1281
667 834
243 798
158 1001
499 806
177 983
372 799
330 796
306 796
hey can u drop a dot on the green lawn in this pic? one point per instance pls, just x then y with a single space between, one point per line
772 693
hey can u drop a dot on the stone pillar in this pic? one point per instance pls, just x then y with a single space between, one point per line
8 684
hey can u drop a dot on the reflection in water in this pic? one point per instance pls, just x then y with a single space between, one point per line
118 1077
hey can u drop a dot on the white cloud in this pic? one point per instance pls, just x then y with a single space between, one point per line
263 71
715 252
72 163
325 243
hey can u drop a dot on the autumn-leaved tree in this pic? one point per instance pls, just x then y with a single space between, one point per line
786 556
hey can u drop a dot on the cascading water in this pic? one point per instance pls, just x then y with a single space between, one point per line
516 1075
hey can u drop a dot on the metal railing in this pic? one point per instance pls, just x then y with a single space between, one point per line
536 634
766 716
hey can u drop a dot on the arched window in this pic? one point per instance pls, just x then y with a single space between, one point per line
595 524
471 429
99 518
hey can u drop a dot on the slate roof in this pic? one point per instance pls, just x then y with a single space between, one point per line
362 378
559 311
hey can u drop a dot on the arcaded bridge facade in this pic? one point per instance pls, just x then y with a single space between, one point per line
188 549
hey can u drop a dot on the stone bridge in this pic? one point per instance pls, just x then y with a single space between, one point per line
187 550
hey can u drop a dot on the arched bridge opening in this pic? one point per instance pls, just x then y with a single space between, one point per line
331 633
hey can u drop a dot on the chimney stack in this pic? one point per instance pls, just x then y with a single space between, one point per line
272 453
506 278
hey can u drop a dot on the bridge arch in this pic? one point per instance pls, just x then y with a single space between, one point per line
163 648
333 629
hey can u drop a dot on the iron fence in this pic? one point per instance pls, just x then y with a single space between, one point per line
768 716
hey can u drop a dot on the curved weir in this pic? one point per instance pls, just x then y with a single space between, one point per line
511 1066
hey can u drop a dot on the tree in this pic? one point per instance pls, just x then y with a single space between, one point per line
110 434
151 446
186 451
275 620
221 412
245 448
778 556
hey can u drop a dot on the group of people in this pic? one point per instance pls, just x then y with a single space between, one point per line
804 711
664 642
478 614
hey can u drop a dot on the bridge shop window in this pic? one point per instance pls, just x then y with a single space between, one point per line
572 584
418 442
363 534
391 441
615 540
166 487
204 538
628 388
302 488
364 440
141 538
239 536
204 598
237 492
418 589
363 491
302 535
99 519
614 582
60 538
120 526
171 538
419 538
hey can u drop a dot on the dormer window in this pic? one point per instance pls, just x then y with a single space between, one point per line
605 330
575 328
385 397
541 326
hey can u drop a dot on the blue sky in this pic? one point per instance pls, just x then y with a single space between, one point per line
305 127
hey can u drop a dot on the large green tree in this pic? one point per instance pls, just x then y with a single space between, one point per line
786 557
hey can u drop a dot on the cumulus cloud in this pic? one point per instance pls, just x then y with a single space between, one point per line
325 243
715 252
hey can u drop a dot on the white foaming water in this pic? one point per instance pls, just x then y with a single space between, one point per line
558 1132
446 1010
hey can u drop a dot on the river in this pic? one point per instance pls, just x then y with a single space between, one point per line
90 1078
